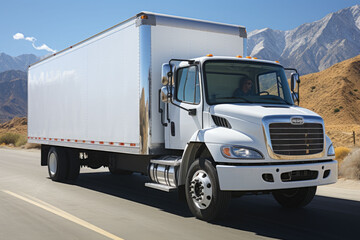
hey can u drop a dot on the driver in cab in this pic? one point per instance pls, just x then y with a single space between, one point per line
245 88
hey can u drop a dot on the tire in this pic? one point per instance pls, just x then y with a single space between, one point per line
295 197
203 195
57 164
74 164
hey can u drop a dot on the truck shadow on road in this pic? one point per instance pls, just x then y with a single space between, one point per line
324 218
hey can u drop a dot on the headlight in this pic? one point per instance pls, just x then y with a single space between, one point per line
240 152
331 151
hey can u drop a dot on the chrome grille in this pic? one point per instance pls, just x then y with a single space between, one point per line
289 139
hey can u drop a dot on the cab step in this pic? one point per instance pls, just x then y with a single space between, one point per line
160 187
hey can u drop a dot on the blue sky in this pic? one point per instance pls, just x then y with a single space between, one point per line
61 23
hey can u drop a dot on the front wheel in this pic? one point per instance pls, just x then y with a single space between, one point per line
295 197
203 195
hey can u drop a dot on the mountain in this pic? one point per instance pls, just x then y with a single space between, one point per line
16 63
311 47
334 93
13 94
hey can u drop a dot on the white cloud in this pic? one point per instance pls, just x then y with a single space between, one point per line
19 36
31 39
44 47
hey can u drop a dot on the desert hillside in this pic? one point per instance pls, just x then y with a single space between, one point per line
335 94
16 125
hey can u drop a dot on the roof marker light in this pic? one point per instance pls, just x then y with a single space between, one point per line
255 58
209 55
144 17
277 61
238 56
248 57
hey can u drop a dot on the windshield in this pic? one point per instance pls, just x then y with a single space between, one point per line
245 82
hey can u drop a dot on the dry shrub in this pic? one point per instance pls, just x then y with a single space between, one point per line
32 145
350 167
13 139
341 153
21 141
9 138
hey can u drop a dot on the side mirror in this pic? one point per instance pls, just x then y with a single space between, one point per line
295 96
165 73
165 94
294 80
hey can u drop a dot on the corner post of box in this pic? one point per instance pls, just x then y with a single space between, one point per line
145 84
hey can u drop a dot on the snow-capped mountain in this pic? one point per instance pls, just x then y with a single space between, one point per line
311 47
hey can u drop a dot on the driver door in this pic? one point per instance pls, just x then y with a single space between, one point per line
187 95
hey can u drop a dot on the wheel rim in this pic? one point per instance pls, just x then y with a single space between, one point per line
52 164
201 189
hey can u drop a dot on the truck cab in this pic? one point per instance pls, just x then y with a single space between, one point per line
241 113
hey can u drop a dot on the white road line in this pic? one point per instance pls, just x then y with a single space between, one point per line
63 214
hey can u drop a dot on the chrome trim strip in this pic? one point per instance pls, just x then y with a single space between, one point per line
145 88
286 119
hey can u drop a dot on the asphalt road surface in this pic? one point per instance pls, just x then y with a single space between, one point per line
102 206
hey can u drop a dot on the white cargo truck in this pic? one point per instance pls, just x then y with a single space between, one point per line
173 98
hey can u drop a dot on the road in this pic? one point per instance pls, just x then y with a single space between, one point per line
102 206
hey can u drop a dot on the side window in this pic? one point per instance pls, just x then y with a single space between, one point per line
188 87
271 83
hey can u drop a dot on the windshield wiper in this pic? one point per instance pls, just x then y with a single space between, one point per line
242 98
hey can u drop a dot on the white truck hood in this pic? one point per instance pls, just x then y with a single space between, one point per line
255 113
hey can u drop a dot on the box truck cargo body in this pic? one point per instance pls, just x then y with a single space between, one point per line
163 96
105 89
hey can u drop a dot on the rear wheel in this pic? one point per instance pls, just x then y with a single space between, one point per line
203 195
295 197
57 164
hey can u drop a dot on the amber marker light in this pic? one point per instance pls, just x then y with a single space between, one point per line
226 151
248 57
238 56
209 55
144 17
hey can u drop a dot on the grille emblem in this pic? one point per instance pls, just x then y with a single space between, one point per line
297 121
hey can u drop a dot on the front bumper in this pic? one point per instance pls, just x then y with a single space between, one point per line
250 178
